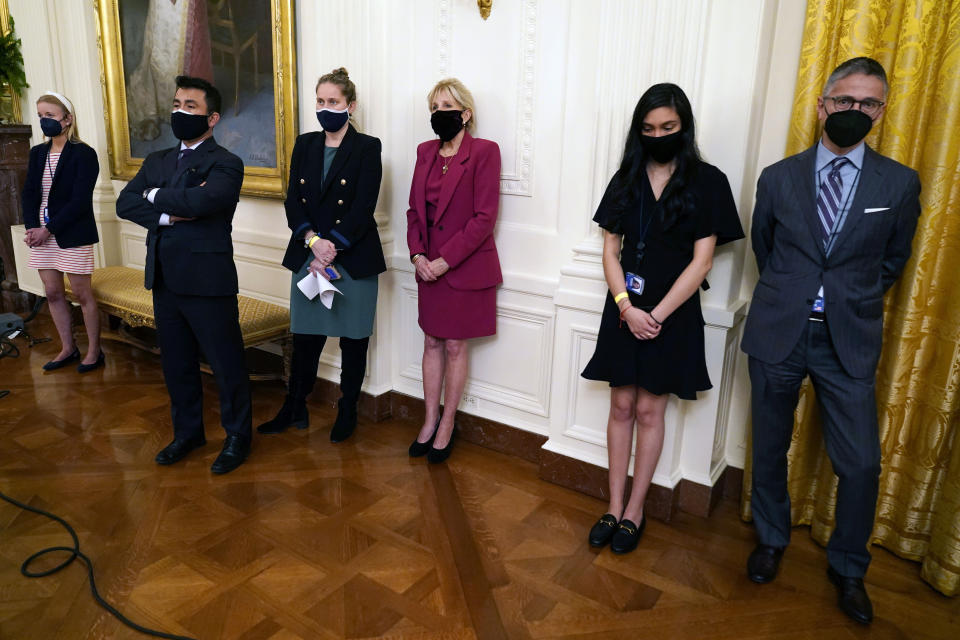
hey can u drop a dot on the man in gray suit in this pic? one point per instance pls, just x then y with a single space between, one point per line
832 229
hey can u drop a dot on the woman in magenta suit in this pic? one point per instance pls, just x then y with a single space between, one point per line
453 208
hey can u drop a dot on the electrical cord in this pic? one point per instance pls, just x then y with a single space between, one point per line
75 553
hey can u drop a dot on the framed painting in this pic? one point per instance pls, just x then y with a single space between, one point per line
245 47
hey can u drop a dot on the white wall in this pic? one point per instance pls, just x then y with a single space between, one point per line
555 84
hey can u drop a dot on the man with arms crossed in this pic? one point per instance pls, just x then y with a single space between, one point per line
832 229
185 198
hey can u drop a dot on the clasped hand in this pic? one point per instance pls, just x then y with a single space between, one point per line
317 266
324 251
430 270
36 236
640 323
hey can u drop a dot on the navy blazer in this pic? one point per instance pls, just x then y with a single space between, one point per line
70 202
195 256
341 208
867 257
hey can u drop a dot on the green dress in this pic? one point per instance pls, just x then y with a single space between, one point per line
353 308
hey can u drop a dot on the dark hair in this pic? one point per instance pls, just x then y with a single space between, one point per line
866 66
210 93
628 181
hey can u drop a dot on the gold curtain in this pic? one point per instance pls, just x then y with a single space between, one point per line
918 378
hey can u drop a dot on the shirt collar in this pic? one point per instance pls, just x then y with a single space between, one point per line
183 145
825 156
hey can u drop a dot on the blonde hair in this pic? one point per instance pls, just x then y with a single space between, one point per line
73 133
460 93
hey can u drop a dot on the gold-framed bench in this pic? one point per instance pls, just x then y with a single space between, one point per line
120 294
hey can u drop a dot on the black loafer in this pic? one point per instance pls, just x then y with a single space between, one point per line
627 536
852 597
178 449
57 364
234 453
85 368
418 448
601 532
763 563
436 456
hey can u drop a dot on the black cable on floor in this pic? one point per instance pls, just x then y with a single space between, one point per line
75 553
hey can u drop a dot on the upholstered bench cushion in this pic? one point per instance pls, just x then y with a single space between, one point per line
119 291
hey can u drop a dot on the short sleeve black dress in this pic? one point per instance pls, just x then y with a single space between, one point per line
674 361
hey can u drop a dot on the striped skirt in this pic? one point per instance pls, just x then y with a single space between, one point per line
49 255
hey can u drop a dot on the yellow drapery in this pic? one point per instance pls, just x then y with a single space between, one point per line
918 378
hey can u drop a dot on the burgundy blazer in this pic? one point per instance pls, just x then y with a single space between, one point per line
466 215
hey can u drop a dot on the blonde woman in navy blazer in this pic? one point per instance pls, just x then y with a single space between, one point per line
454 201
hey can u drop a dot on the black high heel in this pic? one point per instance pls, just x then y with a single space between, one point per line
436 456
418 448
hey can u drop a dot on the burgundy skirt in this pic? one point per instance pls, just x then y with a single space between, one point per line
456 314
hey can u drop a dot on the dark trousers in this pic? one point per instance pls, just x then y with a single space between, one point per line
849 414
187 326
306 358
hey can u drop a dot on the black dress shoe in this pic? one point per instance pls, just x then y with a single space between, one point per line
852 596
56 364
436 456
418 448
235 451
346 421
84 368
763 563
601 532
627 536
178 449
293 413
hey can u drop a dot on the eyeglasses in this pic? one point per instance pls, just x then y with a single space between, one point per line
869 106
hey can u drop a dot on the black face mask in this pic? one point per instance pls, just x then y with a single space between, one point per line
847 128
188 126
663 148
446 124
50 127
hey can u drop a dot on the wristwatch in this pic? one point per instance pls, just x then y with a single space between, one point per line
146 192
414 257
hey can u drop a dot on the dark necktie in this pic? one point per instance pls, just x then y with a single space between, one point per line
184 154
828 200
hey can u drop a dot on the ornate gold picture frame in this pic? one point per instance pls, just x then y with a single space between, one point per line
246 47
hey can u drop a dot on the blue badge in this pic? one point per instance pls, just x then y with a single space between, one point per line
634 283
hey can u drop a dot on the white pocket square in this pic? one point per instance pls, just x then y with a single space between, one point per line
876 210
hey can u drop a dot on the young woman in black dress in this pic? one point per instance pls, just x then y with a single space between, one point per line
663 213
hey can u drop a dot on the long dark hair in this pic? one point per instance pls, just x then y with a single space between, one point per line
628 181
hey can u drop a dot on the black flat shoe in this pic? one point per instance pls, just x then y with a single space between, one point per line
627 536
234 453
178 449
601 532
293 413
345 423
852 597
436 456
418 448
763 563
84 368
57 364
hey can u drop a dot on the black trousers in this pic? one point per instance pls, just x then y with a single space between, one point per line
187 326
848 410
306 357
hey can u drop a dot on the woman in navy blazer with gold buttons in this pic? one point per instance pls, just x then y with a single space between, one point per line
331 198
61 230
454 201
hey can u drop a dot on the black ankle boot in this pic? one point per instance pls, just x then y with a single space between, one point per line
346 421
293 413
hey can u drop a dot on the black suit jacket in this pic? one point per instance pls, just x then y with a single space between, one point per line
867 257
70 202
341 208
196 256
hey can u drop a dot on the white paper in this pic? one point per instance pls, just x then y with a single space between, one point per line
314 284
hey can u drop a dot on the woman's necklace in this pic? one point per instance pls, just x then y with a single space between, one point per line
446 163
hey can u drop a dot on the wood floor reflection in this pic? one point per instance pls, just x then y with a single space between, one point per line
314 540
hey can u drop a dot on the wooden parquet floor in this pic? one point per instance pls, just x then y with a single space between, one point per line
312 540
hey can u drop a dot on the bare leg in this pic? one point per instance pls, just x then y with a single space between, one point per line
91 316
650 410
59 309
433 364
619 439
455 375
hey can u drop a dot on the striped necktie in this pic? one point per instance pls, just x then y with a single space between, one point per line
184 154
828 200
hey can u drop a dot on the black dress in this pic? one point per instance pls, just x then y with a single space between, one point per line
674 361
